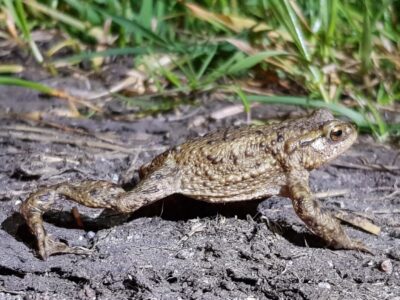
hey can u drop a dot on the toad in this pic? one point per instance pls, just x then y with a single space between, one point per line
233 164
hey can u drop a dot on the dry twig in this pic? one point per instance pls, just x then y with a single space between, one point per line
332 193
369 166
48 136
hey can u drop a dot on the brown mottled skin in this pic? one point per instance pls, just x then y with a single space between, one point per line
247 163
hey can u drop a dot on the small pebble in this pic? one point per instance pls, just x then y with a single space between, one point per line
386 266
114 178
228 285
90 235
324 285
184 254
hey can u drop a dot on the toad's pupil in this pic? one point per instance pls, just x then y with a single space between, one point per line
337 133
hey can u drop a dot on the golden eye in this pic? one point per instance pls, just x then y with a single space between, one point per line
336 134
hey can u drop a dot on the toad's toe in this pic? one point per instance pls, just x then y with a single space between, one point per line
50 247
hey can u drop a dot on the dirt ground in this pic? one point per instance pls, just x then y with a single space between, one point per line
180 248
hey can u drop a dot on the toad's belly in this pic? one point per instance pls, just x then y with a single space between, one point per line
233 192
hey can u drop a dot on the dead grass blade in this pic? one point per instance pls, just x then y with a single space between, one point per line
42 88
234 23
358 221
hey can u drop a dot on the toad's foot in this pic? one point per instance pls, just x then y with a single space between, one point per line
349 244
47 247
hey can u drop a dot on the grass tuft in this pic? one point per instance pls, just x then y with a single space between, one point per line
343 53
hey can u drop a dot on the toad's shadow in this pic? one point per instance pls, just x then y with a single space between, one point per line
174 208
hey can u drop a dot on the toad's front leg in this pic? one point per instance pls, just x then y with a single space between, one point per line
321 222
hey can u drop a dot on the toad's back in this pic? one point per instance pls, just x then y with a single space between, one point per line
230 164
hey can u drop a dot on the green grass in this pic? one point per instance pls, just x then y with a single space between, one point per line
336 49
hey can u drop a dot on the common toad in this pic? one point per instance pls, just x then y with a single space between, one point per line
250 162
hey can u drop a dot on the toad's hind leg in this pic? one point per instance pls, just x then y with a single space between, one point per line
89 193
95 194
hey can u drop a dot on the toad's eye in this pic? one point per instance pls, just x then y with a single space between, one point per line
336 134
